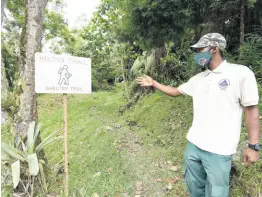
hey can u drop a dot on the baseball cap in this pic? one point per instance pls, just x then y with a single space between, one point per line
211 39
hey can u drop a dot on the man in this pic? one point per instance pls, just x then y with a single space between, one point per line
220 94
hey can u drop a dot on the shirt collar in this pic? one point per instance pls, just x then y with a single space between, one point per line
219 69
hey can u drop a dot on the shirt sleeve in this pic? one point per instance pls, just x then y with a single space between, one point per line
248 89
188 87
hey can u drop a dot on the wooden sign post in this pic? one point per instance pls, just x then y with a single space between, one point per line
65 75
65 145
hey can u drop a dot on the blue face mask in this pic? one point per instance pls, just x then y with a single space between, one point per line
202 59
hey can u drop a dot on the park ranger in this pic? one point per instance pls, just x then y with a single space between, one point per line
220 94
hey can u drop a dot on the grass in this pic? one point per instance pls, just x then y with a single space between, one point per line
91 149
110 154
97 162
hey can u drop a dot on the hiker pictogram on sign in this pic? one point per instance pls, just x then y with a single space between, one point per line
64 75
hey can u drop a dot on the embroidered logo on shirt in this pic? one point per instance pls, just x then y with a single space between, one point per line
223 84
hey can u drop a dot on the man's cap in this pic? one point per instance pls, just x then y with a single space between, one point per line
212 40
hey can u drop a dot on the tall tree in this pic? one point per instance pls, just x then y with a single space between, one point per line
31 36
3 2
4 81
242 21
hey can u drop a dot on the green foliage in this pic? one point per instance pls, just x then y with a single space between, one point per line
119 30
173 70
251 52
152 23
26 159
17 8
10 53
144 64
124 38
8 101
6 191
57 32
55 25
97 41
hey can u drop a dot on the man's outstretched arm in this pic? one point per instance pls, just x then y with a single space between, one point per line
148 81
253 126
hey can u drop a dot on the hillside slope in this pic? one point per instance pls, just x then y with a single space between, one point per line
137 153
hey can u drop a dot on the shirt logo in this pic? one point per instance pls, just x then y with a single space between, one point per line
223 84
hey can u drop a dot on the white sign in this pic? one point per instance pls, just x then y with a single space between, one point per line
62 74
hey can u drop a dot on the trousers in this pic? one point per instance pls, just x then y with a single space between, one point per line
206 174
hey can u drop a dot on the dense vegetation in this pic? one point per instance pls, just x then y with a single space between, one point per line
125 39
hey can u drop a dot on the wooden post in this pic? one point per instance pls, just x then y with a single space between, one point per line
65 146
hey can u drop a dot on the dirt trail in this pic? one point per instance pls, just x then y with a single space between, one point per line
143 167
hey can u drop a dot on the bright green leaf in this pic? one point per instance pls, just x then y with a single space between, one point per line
33 164
30 138
13 152
15 173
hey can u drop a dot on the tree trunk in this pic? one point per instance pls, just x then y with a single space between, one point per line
30 42
242 21
4 89
3 4
160 52
4 81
